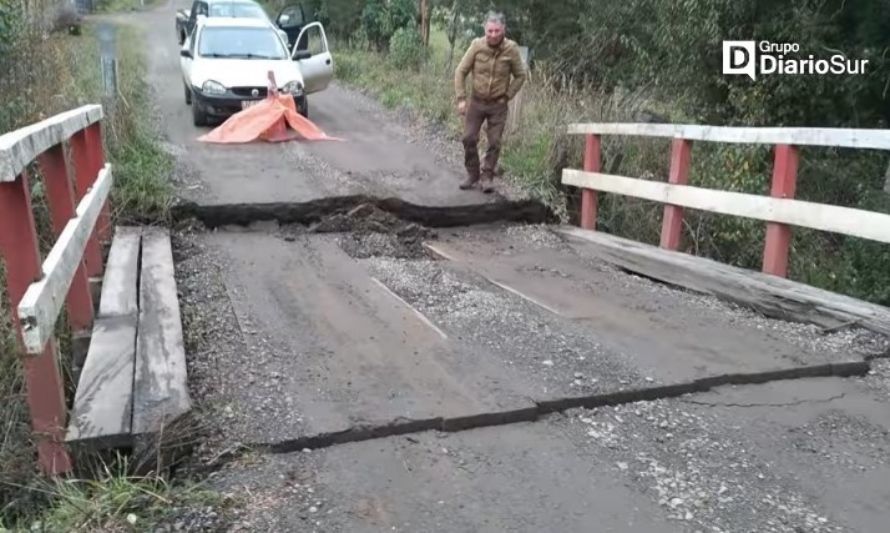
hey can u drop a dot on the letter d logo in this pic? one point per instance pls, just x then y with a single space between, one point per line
738 58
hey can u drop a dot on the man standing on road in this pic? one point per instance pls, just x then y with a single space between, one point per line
493 60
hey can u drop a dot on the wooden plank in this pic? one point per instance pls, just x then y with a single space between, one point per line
120 287
841 137
160 393
770 295
854 222
39 308
62 206
18 148
102 412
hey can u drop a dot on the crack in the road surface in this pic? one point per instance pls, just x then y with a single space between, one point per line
778 404
874 356
401 426
214 216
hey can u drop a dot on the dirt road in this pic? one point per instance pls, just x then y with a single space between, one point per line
373 352
377 158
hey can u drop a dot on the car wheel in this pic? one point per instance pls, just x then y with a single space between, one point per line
303 106
199 117
188 95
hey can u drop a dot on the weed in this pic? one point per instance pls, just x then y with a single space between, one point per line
112 500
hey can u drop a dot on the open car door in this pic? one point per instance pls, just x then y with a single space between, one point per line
291 19
315 59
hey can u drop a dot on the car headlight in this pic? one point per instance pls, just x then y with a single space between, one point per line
295 88
213 87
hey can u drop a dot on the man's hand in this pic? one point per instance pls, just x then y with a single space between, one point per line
462 107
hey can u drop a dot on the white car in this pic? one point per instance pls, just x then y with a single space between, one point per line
225 64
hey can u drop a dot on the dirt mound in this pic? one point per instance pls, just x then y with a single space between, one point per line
364 218
371 232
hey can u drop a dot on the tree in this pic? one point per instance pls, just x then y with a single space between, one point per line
424 10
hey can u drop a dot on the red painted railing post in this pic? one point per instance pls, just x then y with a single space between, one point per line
46 400
778 236
97 152
672 222
85 175
592 163
62 204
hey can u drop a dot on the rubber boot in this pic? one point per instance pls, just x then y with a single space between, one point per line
487 185
469 183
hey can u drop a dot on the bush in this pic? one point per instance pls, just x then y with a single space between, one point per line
406 49
374 23
402 13
381 19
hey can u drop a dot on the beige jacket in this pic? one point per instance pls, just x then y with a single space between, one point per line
491 68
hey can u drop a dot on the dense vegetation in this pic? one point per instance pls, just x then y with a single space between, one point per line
636 60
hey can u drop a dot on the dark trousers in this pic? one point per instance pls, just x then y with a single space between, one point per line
495 113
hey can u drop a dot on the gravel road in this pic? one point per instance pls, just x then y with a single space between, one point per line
300 331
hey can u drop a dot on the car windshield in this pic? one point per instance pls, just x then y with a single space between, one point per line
247 43
252 11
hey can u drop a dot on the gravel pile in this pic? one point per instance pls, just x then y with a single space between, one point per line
564 359
210 330
701 470
234 374
534 236
850 342
849 442
279 493
878 379
367 231
204 519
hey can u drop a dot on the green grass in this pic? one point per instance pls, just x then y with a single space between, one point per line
143 192
112 501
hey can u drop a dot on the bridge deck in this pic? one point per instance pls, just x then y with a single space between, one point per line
511 318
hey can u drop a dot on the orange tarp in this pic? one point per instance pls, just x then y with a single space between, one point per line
268 120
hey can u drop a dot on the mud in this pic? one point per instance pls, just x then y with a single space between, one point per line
368 231
314 211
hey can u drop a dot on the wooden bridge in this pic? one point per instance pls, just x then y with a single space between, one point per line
123 310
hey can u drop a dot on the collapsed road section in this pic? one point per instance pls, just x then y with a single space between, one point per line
405 384
213 216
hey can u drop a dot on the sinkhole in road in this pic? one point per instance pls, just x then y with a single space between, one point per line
366 226
315 211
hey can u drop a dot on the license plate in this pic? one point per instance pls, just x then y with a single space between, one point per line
249 103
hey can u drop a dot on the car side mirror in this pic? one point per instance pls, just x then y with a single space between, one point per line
302 54
185 53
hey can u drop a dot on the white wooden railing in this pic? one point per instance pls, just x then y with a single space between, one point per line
779 210
37 289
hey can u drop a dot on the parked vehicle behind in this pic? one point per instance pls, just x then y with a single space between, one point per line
290 20
225 64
